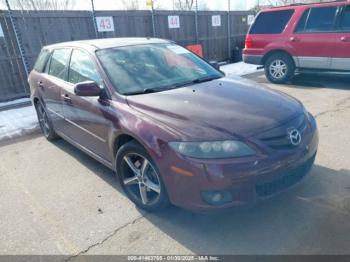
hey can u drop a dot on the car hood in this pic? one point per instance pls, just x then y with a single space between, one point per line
219 109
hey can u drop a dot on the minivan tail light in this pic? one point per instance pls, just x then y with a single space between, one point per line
248 42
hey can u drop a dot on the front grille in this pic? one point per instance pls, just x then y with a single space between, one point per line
278 138
283 180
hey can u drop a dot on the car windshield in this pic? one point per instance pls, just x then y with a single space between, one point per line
153 68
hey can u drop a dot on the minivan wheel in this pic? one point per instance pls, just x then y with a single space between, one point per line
140 179
279 68
44 122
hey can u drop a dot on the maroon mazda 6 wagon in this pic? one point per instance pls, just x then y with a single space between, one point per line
171 126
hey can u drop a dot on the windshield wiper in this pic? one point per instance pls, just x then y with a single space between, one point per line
145 91
164 88
199 80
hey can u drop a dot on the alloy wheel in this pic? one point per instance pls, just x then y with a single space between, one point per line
141 179
43 120
278 69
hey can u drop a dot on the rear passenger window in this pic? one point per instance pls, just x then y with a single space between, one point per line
320 19
271 22
58 62
345 20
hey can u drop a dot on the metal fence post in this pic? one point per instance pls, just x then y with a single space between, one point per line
196 21
18 40
94 17
229 30
153 20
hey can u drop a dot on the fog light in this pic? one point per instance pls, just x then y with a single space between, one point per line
217 198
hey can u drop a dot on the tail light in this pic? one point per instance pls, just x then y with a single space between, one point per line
248 42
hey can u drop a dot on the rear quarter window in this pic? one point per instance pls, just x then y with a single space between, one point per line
271 22
41 60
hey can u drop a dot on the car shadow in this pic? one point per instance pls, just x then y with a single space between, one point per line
96 167
310 81
310 218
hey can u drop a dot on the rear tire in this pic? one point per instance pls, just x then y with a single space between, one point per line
140 178
45 123
279 68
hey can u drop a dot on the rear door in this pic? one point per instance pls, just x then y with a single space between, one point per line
51 82
341 56
86 117
314 38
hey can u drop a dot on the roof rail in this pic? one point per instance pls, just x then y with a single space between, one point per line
300 4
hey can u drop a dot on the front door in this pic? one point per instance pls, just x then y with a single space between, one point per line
341 57
86 117
314 38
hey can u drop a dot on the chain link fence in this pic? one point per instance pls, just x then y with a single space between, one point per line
27 25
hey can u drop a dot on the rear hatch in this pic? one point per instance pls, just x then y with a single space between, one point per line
267 28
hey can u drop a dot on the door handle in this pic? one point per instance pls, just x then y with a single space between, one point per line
294 39
66 98
344 39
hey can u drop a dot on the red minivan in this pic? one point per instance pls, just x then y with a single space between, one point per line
303 38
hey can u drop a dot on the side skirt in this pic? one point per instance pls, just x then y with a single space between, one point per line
87 151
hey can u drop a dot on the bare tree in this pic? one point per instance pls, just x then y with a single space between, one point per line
203 6
184 5
131 4
44 4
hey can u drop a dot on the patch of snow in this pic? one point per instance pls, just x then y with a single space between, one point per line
239 69
14 102
17 122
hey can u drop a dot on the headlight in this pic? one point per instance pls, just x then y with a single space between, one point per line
212 149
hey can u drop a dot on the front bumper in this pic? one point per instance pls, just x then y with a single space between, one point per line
248 180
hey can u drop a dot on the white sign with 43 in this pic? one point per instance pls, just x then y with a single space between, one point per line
104 23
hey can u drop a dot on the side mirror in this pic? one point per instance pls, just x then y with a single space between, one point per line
215 64
87 88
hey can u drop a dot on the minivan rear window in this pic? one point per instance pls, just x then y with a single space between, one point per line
271 22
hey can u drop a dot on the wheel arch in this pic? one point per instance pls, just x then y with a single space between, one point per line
277 51
121 140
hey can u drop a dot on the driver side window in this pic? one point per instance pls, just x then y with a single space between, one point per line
82 68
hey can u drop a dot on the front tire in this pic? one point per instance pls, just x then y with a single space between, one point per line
279 68
140 179
45 122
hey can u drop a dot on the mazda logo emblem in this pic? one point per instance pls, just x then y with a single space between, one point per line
295 137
